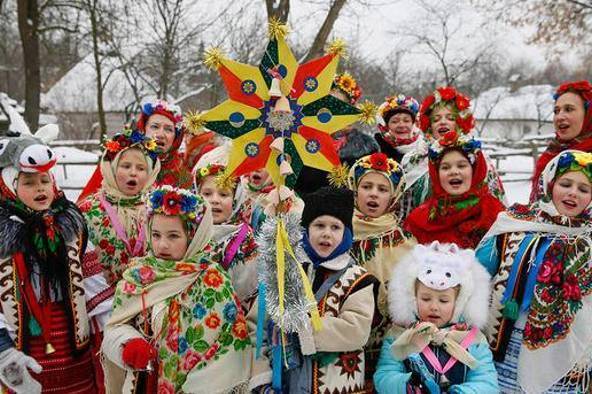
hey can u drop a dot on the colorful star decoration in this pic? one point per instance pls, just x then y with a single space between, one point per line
280 115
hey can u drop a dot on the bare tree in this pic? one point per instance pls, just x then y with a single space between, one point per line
278 9
439 31
28 21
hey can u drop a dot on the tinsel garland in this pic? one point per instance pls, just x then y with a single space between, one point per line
295 317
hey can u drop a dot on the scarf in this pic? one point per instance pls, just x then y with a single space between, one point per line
42 234
463 219
454 340
116 221
343 247
581 142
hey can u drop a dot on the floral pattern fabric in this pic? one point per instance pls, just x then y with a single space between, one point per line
174 172
202 323
110 249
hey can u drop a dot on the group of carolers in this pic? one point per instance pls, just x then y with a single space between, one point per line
425 281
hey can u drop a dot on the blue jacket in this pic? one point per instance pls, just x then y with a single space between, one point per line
392 375
488 255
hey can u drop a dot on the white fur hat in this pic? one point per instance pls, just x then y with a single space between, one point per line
440 266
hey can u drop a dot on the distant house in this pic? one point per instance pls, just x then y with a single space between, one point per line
74 99
505 113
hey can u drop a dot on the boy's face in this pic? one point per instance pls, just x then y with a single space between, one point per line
325 234
435 306
168 237
221 200
35 190
374 195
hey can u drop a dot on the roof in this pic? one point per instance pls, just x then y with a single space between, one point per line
76 91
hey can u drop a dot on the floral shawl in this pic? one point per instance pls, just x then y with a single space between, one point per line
109 249
545 273
202 322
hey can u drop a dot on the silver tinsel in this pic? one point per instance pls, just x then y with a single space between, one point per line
296 306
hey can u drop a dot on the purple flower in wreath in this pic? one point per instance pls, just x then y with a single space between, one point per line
136 137
148 109
188 203
199 311
156 198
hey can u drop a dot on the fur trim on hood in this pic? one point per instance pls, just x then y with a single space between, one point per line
441 266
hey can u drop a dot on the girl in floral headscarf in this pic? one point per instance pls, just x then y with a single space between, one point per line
540 324
444 112
573 127
234 236
379 242
116 213
461 209
177 325
163 122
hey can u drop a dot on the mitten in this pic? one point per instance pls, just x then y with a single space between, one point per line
137 353
14 372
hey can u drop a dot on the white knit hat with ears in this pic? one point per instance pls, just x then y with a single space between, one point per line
440 266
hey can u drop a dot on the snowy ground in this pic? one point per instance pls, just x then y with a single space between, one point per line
80 165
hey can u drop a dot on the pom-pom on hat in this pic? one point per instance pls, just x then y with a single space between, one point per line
349 86
458 103
329 200
440 267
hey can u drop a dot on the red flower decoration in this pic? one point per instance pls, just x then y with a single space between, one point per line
448 93
213 321
449 138
379 161
583 88
466 124
171 204
571 289
546 272
212 351
462 102
239 328
424 122
213 278
427 103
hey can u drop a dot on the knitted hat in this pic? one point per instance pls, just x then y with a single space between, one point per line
440 267
457 102
328 200
348 85
398 104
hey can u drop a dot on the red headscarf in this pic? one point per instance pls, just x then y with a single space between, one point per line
582 142
463 219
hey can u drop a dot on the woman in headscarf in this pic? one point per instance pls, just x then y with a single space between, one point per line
572 118
540 325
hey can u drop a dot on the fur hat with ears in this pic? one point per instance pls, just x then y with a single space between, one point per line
440 266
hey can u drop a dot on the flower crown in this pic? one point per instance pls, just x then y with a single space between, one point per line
171 201
469 146
582 88
575 161
401 101
377 162
447 95
162 106
348 85
126 139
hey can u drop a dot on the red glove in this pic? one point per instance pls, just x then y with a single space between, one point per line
137 353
